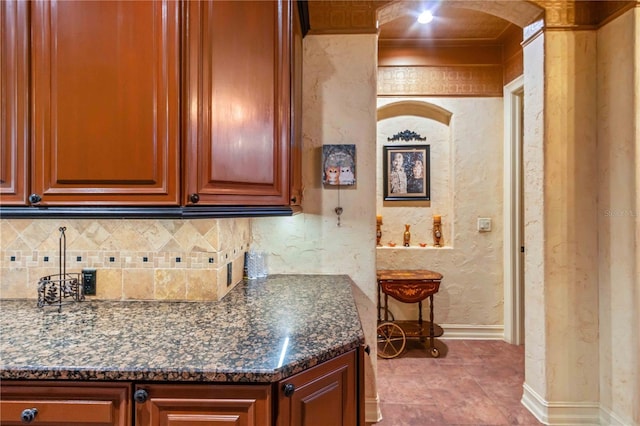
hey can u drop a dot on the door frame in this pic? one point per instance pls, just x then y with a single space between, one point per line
513 213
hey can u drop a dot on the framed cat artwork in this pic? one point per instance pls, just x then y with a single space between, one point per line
338 165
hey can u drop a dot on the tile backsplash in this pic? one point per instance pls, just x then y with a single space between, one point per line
135 259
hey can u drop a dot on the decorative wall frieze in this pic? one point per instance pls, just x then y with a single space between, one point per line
576 14
344 17
558 13
479 81
513 67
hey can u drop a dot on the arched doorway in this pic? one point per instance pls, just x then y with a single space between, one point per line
403 48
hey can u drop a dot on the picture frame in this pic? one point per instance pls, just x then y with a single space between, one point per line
402 178
339 165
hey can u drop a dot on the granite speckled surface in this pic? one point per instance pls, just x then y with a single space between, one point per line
262 331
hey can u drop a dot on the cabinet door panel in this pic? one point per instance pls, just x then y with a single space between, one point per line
14 105
106 111
184 405
324 395
239 79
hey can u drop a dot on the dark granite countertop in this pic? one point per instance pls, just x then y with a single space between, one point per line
262 331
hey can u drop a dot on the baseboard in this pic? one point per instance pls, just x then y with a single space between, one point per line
612 419
372 413
560 413
472 332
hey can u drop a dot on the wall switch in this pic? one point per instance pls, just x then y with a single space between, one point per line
484 224
89 281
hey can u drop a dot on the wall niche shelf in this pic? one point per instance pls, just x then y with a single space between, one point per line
401 247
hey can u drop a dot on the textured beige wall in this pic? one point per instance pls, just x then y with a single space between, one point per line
561 273
561 225
339 107
570 208
466 183
618 97
533 163
137 259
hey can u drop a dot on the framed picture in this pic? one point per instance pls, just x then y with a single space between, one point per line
406 173
339 164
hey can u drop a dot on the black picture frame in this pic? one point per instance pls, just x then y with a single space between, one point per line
401 178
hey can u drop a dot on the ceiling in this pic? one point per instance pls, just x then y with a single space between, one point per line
397 20
449 24
454 20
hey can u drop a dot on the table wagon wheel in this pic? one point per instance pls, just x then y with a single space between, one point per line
435 353
391 340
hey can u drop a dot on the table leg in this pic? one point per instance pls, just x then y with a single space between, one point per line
379 306
432 330
420 321
386 311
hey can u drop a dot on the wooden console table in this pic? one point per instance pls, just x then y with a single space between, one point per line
407 286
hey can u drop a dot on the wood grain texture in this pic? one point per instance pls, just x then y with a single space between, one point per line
106 110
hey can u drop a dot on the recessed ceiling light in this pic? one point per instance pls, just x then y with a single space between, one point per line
425 17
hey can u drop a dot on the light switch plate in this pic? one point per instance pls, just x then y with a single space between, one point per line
484 224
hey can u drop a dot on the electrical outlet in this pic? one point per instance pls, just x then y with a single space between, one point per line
229 273
89 281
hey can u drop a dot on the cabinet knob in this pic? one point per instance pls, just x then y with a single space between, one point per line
288 389
141 396
28 415
34 198
194 198
294 199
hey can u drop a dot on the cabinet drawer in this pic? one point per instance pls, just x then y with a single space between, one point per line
68 404
191 404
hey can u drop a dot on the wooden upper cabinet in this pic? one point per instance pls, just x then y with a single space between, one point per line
238 106
295 150
14 107
106 87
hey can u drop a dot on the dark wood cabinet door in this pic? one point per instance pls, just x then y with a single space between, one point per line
14 104
237 108
295 150
183 405
106 83
325 395
65 403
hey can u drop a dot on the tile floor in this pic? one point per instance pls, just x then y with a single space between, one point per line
473 382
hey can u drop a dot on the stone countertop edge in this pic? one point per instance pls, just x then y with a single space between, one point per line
262 331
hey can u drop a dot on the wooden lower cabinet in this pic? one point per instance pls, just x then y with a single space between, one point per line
325 395
185 405
65 403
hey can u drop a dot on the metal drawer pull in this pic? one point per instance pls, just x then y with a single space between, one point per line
28 415
288 389
141 396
